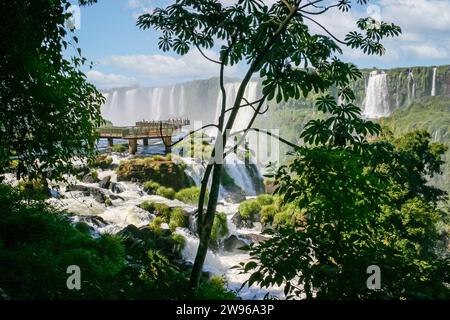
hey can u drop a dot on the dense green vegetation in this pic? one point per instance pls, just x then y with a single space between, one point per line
102 161
174 217
39 243
189 195
119 148
362 204
431 114
164 170
220 227
49 111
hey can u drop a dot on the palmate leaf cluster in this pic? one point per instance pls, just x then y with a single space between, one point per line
366 203
49 112
275 41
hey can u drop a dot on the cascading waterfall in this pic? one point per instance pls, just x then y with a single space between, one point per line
245 113
237 170
433 86
124 107
172 101
411 87
397 96
376 104
130 98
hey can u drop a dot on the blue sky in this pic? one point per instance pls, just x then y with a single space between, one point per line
124 55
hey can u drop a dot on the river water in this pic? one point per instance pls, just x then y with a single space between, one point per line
125 211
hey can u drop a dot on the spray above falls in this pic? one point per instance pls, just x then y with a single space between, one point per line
376 103
198 101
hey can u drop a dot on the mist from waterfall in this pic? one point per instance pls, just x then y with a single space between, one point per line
433 86
376 103
124 107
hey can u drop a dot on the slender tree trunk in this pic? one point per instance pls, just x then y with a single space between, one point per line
201 200
206 227
206 221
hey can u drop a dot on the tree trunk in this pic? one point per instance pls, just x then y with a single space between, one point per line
206 227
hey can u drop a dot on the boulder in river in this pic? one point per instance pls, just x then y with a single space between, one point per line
117 187
235 196
255 237
97 193
105 182
241 223
89 178
233 243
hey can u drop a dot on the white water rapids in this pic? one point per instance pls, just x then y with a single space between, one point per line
125 211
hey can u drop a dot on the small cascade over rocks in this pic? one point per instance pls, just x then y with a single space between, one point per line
124 213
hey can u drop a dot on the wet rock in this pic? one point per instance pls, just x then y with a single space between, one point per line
139 240
236 196
104 183
97 193
255 237
241 223
115 197
89 178
117 187
233 243
94 221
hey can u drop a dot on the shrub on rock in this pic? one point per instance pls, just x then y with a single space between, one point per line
160 169
178 218
151 186
166 192
190 195
101 161
249 209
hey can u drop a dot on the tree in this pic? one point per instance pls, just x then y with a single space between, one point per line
276 43
49 112
365 204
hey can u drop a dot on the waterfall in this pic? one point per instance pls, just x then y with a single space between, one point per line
172 101
245 114
131 107
123 107
411 87
433 86
376 104
397 96
237 170
181 103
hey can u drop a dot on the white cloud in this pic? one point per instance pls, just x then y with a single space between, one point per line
426 51
140 7
163 67
109 80
425 29
418 15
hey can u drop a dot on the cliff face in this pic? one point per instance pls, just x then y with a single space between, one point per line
404 85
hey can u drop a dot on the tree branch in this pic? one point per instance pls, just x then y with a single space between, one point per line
249 104
245 131
205 56
190 133
311 4
325 29
319 12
